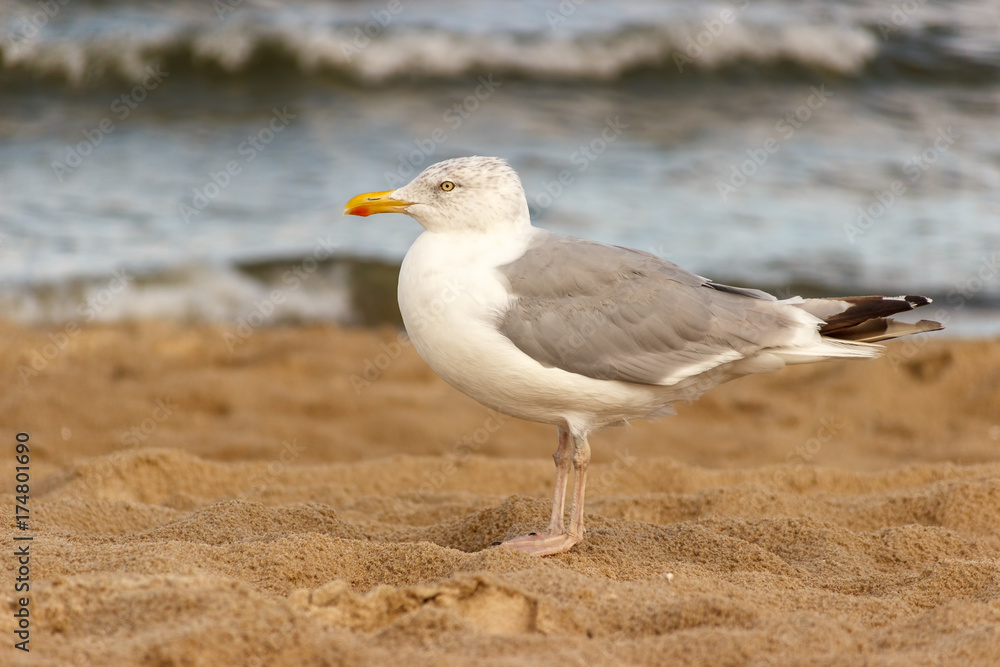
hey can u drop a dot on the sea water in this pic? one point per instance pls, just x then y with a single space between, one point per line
204 150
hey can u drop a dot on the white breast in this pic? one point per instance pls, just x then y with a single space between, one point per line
451 298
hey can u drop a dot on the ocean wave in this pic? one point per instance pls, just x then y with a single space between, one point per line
266 293
369 54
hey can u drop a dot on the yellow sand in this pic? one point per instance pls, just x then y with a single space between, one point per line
318 496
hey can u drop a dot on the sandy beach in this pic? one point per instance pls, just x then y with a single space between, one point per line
317 496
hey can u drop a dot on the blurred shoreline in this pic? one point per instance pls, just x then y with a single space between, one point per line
345 290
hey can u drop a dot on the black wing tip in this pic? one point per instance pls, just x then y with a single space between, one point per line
865 314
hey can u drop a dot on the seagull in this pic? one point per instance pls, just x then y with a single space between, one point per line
584 335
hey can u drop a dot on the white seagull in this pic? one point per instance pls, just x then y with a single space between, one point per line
583 335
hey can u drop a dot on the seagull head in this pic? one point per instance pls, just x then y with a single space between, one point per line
462 194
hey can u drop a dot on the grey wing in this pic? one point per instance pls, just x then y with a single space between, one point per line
612 313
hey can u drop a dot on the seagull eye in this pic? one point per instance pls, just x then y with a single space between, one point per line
447 186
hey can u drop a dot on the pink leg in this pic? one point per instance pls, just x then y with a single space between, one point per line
557 539
561 457
581 461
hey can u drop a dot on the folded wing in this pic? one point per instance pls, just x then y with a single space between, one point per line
617 314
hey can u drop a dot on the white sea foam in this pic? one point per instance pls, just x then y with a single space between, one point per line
428 51
191 293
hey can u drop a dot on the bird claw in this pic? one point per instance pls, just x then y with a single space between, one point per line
544 544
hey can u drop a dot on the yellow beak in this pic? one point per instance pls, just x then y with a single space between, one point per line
375 202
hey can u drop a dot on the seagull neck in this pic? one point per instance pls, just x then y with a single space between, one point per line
495 226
